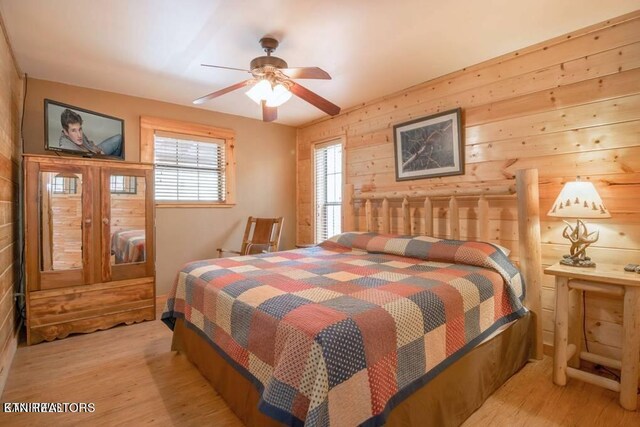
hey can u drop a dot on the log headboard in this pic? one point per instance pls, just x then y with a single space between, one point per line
525 191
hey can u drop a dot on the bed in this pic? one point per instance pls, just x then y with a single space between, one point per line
366 328
128 246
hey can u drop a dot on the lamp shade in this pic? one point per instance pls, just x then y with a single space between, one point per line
261 91
279 96
579 199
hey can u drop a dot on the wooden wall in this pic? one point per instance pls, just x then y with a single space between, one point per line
569 106
128 210
10 113
67 230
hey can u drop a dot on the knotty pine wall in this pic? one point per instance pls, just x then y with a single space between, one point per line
66 222
10 113
128 210
569 106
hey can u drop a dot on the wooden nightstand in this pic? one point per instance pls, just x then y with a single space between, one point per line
608 279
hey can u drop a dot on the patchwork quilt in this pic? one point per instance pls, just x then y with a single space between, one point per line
128 246
340 333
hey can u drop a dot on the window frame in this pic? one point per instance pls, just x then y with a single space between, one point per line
66 186
314 147
125 190
148 128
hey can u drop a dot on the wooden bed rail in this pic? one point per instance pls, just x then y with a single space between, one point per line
439 192
526 189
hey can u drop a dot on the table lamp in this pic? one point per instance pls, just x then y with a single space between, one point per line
579 200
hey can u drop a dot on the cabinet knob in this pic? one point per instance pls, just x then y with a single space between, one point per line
87 221
105 221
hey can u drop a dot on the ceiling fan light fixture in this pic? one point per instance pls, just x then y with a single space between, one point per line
279 96
272 83
261 91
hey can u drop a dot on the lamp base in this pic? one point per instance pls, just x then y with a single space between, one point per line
577 261
580 240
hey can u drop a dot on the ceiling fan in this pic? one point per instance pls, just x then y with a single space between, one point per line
273 84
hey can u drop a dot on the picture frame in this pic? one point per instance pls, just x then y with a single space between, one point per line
75 130
429 147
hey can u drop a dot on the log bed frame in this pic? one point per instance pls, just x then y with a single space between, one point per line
527 199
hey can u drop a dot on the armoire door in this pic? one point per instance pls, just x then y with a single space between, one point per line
127 223
60 225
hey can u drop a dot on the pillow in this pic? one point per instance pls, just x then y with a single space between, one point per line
505 251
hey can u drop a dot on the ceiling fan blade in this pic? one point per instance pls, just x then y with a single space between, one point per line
269 114
306 73
225 68
315 99
217 93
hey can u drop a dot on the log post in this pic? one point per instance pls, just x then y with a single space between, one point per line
386 216
406 217
348 211
483 219
428 217
454 219
529 247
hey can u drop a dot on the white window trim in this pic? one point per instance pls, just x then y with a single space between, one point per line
150 125
314 147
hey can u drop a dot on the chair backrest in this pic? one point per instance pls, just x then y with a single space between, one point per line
261 234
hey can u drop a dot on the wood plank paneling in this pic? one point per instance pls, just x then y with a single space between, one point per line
569 106
536 58
128 210
64 216
10 114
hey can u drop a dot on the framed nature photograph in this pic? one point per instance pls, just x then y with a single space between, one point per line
429 147
75 130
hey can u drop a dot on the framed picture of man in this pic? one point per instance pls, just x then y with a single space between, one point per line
429 147
75 130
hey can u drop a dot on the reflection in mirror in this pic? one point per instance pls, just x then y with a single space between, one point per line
61 221
127 219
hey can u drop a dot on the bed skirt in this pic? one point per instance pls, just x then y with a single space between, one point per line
447 400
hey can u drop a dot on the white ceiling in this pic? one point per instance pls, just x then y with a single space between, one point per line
371 48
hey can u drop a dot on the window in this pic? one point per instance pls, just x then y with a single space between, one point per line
189 170
123 184
328 190
65 185
195 163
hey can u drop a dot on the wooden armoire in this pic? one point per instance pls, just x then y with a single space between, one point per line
89 245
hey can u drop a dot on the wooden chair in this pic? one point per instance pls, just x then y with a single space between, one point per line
260 235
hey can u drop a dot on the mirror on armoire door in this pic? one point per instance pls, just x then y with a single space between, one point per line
60 221
127 219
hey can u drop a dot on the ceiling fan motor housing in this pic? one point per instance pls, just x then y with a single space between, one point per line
272 61
276 71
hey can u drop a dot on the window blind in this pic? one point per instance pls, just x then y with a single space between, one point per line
328 190
189 170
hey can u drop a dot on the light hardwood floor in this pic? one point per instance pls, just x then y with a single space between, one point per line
133 378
